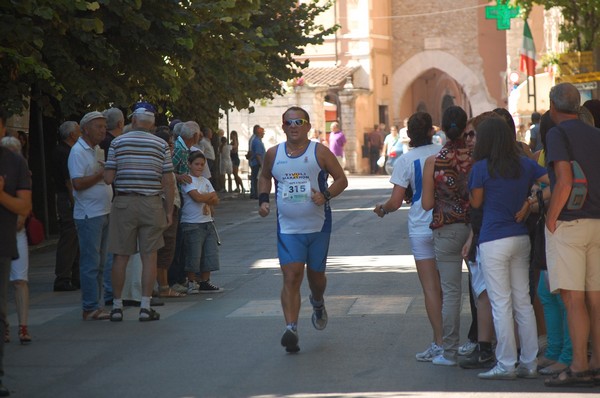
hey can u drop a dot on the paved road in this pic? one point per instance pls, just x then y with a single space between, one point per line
227 345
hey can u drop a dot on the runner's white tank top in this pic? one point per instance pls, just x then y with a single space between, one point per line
295 178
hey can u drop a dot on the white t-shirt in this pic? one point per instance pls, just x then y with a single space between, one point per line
95 200
408 170
192 211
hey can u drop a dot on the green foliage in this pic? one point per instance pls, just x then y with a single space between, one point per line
582 21
190 57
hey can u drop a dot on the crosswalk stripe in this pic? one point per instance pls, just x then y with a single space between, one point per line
342 305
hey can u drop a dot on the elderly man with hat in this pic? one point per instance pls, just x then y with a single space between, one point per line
92 205
140 167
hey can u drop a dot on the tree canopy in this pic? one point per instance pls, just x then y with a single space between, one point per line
581 21
190 57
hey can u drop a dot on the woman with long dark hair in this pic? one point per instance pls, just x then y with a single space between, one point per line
500 182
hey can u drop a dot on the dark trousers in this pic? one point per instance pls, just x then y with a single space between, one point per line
176 272
254 181
214 173
67 248
4 274
473 332
373 158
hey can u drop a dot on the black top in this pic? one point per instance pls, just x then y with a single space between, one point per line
14 169
105 144
60 157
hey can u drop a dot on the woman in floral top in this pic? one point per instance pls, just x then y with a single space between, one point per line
445 190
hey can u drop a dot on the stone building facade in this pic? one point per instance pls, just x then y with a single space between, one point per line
398 57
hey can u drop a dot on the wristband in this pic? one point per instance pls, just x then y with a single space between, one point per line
263 198
384 211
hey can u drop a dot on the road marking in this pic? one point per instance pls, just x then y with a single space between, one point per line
345 306
338 306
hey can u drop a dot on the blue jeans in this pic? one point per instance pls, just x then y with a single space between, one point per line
95 267
559 342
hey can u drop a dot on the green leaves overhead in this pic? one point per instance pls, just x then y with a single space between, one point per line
581 27
190 57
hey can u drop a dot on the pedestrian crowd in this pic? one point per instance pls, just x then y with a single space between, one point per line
136 205
526 220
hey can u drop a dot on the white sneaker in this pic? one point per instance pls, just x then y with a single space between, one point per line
467 348
441 360
431 352
498 373
193 287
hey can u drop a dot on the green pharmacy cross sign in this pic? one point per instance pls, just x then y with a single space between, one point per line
502 13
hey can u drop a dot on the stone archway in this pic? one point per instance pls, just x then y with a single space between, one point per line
472 83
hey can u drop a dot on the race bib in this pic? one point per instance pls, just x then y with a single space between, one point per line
296 191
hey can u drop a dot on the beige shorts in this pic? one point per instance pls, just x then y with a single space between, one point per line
573 255
136 220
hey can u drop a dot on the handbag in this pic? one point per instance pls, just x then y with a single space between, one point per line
35 230
579 188
538 248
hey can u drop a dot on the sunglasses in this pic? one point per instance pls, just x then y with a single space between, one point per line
470 134
295 122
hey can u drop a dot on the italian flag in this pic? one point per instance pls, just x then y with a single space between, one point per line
527 64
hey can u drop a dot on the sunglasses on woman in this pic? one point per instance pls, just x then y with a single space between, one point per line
470 134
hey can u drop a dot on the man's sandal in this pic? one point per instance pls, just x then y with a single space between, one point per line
116 315
147 315
569 378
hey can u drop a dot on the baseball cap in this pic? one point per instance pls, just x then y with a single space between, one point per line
143 108
91 116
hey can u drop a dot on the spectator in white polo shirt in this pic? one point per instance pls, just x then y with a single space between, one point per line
92 205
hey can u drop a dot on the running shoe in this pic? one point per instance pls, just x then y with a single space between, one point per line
193 287
478 359
290 340
319 315
467 348
431 352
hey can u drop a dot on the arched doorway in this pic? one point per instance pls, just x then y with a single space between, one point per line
426 78
432 92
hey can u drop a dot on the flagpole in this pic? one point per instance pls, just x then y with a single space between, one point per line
534 94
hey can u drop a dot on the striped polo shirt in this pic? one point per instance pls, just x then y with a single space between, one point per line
140 160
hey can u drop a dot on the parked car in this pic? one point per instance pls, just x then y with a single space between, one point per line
393 156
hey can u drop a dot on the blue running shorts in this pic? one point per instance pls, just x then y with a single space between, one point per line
310 249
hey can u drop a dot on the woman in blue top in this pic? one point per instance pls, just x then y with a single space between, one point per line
500 181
